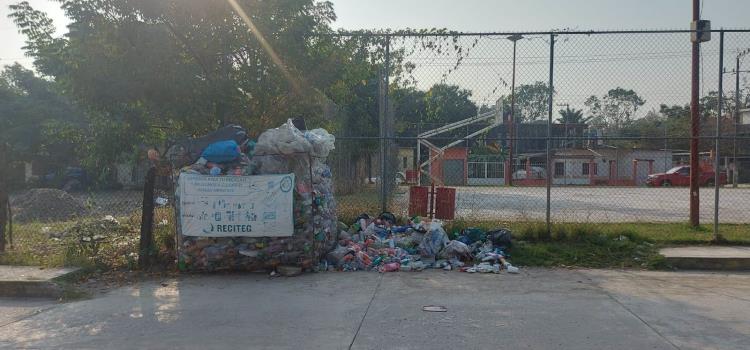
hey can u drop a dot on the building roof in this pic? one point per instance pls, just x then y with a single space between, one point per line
599 152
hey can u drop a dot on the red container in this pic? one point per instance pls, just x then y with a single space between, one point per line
445 203
412 176
418 200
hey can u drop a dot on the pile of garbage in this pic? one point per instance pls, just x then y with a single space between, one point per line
283 150
379 244
46 205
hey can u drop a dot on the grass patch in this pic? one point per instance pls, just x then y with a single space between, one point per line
349 206
91 244
613 245
659 233
619 245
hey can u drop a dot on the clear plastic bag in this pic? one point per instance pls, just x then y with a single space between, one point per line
285 140
434 240
322 142
456 249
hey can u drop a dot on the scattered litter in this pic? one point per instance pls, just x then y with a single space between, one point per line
434 308
289 271
382 244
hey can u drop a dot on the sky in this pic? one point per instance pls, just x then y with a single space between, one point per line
472 15
587 65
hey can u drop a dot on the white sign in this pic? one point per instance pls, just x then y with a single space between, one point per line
228 206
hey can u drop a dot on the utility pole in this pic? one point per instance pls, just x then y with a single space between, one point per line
549 133
695 171
736 120
509 177
717 175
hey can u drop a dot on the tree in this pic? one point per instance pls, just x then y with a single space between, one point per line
571 116
146 70
448 103
31 107
614 110
409 109
531 101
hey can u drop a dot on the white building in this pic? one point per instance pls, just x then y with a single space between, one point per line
608 166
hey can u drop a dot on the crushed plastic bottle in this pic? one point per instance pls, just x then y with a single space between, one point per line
390 267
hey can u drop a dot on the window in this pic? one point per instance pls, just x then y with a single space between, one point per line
585 168
596 169
559 169
477 170
404 162
495 170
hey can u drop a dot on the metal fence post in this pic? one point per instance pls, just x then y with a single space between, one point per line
717 175
147 219
383 82
381 143
549 130
4 205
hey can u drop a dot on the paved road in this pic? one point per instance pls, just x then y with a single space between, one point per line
538 309
596 204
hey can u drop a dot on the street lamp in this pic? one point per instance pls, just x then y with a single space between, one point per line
514 38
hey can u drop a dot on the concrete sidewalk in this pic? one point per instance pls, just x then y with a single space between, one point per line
538 309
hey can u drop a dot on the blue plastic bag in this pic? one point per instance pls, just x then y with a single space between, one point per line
221 151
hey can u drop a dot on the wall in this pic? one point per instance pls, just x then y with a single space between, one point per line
574 171
458 153
408 153
662 163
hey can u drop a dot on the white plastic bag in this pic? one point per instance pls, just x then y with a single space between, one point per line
456 249
434 240
284 140
322 142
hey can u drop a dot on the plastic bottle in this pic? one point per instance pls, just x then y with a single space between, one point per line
390 267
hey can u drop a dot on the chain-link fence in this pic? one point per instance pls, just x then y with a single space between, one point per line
558 127
602 117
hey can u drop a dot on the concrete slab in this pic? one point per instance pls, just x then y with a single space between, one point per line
537 309
691 310
708 257
32 273
14 310
707 252
31 281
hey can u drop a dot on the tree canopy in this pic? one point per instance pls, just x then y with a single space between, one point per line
30 110
572 116
614 110
532 101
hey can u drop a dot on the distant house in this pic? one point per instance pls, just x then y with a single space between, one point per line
571 166
608 166
406 159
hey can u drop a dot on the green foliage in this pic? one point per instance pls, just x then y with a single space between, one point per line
531 101
448 103
188 65
572 116
30 108
614 110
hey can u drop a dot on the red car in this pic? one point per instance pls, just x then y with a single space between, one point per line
680 176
